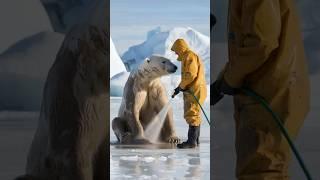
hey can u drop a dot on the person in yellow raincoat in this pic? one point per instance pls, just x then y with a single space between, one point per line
266 54
192 80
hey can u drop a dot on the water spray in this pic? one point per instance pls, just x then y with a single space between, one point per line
153 129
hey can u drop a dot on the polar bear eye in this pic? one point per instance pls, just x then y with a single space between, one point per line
163 62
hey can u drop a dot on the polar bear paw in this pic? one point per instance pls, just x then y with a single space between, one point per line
173 139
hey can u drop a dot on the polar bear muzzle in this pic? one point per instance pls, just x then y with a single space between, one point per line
170 67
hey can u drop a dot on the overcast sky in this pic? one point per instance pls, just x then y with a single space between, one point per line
131 20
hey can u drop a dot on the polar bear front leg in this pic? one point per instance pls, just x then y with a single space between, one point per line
136 126
168 133
120 127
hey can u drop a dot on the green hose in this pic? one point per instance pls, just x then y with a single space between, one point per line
189 91
276 118
278 121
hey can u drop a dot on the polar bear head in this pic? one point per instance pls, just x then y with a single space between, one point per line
156 66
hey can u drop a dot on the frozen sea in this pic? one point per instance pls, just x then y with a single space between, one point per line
17 129
164 162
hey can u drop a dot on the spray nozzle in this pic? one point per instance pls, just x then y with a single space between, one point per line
174 94
176 91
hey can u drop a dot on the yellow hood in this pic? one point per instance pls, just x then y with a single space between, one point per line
179 46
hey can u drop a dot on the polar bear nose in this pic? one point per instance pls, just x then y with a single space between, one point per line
175 67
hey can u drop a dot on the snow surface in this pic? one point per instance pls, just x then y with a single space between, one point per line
117 83
116 64
160 42
23 70
20 19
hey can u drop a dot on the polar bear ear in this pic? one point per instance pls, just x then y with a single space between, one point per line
148 60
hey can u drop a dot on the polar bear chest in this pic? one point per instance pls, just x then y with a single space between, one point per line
151 106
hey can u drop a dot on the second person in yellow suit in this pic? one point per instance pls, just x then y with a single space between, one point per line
192 80
266 54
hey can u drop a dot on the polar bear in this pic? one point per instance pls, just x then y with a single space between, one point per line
143 98
72 135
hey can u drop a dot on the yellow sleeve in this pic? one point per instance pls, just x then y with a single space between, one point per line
189 70
260 31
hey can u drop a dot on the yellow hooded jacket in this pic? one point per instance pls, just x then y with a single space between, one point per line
266 54
193 79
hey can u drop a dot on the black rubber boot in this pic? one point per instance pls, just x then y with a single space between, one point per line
193 133
198 135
